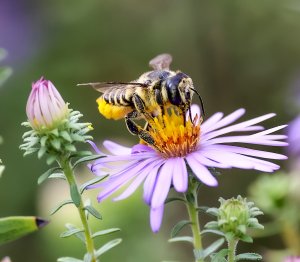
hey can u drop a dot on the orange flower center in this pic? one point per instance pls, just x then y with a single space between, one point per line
173 137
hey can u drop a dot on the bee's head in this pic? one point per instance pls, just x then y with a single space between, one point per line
179 90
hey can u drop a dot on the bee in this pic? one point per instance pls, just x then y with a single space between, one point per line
148 96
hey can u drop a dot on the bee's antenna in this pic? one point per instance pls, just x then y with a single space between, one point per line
201 101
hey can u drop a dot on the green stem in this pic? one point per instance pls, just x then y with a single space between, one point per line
232 243
68 171
192 205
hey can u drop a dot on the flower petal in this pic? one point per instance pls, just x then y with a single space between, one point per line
156 216
163 183
116 149
201 171
180 175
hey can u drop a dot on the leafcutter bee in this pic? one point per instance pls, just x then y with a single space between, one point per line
148 96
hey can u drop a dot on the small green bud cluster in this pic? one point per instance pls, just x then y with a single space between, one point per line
58 141
234 217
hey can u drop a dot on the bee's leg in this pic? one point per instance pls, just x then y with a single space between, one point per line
136 129
140 107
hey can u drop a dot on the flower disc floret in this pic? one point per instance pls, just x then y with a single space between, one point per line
173 136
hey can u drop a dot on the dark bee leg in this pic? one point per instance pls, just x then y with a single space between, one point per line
136 129
159 100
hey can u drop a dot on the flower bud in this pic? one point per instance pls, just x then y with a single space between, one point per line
233 215
45 107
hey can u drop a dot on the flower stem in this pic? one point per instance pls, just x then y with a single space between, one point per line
192 205
231 249
68 171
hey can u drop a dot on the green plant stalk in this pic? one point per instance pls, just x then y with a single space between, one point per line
232 243
192 205
68 171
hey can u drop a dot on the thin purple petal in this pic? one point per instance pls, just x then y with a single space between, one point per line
156 216
180 175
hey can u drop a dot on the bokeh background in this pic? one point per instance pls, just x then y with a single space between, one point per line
239 54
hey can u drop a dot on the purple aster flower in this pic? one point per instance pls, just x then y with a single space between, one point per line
294 141
292 259
45 107
198 145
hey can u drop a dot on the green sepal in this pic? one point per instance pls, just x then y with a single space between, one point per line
65 135
42 152
93 212
220 256
50 159
248 256
68 259
14 227
86 159
66 202
46 175
81 154
56 143
105 232
70 148
181 239
203 253
91 182
109 245
172 199
246 238
178 227
70 232
79 235
75 195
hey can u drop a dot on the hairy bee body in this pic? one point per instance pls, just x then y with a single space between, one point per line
117 101
148 96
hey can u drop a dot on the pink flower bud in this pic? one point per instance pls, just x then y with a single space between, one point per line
45 107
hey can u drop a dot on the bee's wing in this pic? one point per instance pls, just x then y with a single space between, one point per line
104 86
161 62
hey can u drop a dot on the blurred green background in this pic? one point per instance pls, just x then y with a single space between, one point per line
239 54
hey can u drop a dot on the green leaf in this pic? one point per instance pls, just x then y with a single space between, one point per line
181 239
86 159
217 232
70 232
171 199
220 256
178 227
106 232
93 212
248 256
68 259
202 209
46 175
91 182
14 227
66 202
79 235
57 175
75 195
213 211
203 253
109 245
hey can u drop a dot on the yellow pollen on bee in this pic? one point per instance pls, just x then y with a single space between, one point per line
173 138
